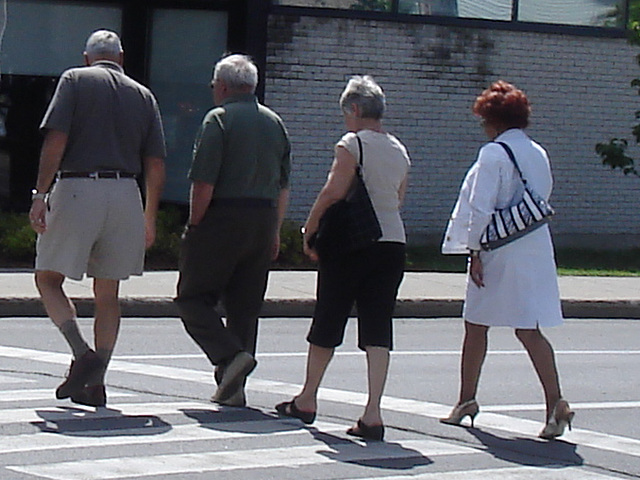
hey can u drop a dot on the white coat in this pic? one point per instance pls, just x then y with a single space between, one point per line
521 286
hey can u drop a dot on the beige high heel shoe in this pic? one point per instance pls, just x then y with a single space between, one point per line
558 421
469 408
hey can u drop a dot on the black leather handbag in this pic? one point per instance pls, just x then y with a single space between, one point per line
349 224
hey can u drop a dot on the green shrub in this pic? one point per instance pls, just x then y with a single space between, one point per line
169 228
17 239
171 220
291 254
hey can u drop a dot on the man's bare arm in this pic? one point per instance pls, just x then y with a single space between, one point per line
154 176
55 143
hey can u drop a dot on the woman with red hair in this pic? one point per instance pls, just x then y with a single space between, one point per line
516 284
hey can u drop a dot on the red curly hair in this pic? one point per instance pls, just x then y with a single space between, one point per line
503 104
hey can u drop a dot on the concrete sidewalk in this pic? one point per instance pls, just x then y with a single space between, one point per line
292 294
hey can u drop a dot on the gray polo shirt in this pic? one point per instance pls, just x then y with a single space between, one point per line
112 121
243 150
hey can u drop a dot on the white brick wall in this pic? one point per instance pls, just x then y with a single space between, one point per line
578 86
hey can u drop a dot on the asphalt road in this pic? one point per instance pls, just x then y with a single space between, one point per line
159 423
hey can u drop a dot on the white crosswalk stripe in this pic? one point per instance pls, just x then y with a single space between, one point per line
161 434
40 394
72 442
31 415
114 468
427 409
520 473
6 379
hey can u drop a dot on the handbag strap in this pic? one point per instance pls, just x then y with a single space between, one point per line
512 157
361 157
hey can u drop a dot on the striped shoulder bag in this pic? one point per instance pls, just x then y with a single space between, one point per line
509 224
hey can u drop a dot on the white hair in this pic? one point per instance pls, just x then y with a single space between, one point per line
237 71
367 94
103 44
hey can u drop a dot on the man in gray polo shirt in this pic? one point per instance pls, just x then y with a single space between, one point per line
239 194
102 130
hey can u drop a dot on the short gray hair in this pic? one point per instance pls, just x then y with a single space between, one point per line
237 71
367 94
103 44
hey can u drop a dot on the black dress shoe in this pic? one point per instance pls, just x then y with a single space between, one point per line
91 396
79 372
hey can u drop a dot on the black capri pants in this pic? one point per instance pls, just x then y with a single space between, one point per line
370 278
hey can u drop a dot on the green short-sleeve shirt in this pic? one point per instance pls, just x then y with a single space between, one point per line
243 150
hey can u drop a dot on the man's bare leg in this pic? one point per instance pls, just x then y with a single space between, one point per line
60 309
107 323
63 314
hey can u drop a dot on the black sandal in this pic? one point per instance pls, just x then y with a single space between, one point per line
289 409
362 430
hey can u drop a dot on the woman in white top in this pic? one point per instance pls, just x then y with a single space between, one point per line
369 277
514 285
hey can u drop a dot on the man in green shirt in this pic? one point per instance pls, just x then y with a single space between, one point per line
239 194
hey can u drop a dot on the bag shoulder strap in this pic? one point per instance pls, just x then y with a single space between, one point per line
360 159
361 156
512 157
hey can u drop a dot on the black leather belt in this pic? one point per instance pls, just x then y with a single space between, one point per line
96 175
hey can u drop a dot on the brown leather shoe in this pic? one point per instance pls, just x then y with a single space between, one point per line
91 396
79 372
237 399
234 375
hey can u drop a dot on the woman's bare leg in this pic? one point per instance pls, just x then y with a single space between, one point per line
474 351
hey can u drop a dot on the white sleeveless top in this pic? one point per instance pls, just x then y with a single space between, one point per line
385 166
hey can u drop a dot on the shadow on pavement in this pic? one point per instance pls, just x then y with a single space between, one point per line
384 455
243 420
103 422
529 451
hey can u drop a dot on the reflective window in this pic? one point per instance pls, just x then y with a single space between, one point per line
185 46
319 3
599 13
376 5
373 5
571 12
487 9
46 37
429 7
42 39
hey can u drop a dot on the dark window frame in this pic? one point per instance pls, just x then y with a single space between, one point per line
137 18
511 25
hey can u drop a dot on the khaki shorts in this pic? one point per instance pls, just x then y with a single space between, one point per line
94 227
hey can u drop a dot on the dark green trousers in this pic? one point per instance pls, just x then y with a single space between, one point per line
225 260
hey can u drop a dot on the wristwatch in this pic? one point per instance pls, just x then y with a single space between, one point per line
36 195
